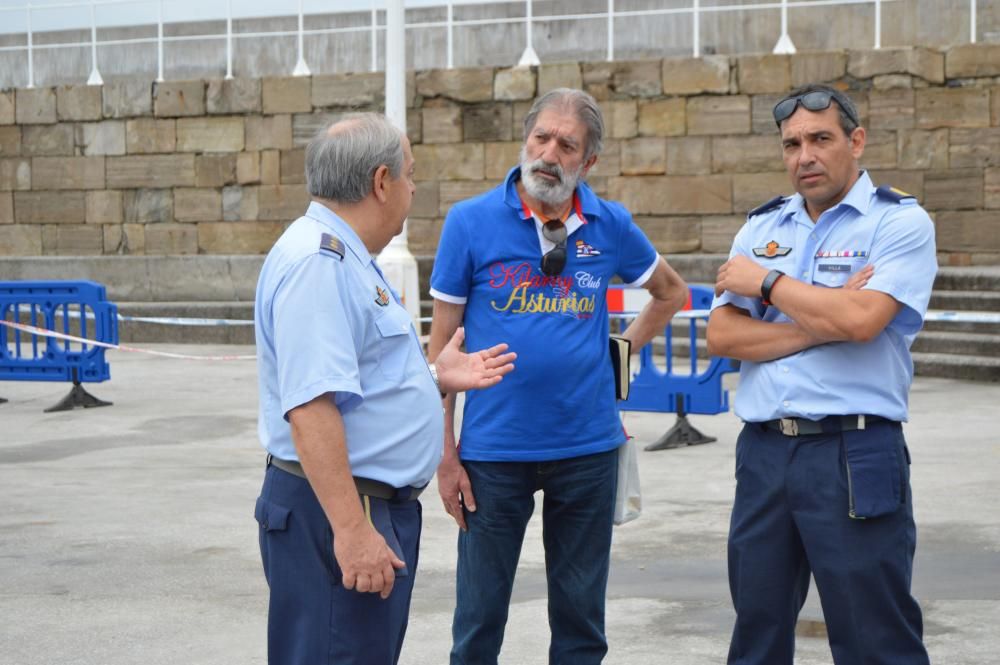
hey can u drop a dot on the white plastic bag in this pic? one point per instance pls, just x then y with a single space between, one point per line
628 500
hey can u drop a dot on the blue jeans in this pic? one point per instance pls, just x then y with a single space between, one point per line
578 508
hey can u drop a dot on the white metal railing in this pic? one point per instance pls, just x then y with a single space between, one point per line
784 43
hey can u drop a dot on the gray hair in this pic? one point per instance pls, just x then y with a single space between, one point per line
583 106
342 158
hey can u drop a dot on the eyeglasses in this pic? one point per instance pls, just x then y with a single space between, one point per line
554 260
817 100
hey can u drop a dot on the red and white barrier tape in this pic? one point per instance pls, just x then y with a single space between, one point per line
42 332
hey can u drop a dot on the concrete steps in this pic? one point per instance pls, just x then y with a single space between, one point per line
957 343
957 366
979 301
960 349
222 332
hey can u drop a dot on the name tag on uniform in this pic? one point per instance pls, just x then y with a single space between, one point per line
834 267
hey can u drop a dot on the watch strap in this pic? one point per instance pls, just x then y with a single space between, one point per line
768 284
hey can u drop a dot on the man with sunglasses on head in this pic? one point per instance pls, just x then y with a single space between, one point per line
530 262
821 298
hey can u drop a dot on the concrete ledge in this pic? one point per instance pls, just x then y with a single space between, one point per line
148 278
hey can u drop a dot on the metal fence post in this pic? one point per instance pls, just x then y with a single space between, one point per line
229 39
878 24
159 42
374 37
611 30
301 68
451 36
95 75
696 28
972 21
529 57
784 44
31 63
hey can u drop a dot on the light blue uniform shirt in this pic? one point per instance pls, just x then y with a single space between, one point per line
897 237
327 324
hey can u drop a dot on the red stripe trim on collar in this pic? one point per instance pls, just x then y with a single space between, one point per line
577 208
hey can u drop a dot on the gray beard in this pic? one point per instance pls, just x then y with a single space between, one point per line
547 192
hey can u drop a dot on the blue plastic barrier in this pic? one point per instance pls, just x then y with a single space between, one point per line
668 391
78 308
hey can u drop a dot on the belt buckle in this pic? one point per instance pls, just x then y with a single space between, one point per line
789 426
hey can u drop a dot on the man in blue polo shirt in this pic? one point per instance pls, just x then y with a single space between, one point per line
349 412
822 467
530 262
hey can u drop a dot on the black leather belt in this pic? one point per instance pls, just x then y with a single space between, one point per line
828 425
366 486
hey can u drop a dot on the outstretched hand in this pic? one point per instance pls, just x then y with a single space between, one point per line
458 371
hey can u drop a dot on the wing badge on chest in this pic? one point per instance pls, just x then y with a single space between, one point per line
771 250
381 296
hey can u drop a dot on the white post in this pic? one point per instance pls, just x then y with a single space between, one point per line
95 76
784 44
451 36
396 261
159 42
374 38
395 64
301 68
529 57
611 30
972 21
229 39
31 62
878 24
696 28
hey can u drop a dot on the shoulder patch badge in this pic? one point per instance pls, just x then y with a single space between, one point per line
892 194
770 205
332 244
771 250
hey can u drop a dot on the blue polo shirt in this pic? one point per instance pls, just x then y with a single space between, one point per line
327 322
897 238
560 402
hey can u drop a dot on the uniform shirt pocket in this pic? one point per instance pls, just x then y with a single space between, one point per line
394 343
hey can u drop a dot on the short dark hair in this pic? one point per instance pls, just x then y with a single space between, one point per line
846 110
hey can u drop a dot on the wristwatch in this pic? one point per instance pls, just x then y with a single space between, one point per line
768 284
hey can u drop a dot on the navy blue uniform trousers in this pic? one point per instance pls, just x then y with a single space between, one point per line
312 619
791 517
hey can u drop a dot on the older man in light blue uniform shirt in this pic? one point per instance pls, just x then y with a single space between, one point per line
368 357
350 414
821 298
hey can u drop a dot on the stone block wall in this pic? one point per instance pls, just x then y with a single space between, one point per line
216 167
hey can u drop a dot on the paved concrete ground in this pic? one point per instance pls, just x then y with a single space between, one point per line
127 536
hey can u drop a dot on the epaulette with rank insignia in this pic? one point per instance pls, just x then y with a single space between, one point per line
331 243
892 194
770 205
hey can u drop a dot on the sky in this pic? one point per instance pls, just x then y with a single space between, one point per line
64 14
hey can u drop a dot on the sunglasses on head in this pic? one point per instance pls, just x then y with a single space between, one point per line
554 260
817 100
